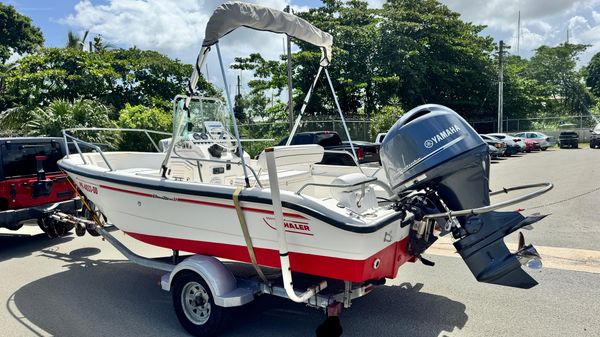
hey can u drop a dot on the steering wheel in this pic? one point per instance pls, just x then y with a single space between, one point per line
222 140
200 136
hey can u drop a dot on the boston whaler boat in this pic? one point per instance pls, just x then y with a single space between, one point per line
342 228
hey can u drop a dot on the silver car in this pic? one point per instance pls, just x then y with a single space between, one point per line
510 139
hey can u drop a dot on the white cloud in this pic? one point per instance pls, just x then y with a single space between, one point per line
540 25
578 22
502 14
529 41
596 16
175 28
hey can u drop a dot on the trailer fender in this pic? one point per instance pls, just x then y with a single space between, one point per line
222 283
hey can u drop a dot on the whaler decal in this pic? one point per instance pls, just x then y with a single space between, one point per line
291 226
441 136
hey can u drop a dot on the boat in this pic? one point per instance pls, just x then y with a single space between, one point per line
203 194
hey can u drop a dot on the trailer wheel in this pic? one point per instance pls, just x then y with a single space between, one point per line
195 306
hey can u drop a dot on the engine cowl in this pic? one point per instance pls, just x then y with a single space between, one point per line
432 144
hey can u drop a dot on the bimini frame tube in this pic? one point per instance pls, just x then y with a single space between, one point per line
284 258
304 104
235 128
337 104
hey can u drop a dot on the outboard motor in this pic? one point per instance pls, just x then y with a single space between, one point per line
436 162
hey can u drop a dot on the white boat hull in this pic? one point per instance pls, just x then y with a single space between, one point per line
170 214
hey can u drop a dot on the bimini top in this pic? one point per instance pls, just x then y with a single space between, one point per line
231 15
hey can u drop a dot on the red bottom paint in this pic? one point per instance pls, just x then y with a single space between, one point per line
391 257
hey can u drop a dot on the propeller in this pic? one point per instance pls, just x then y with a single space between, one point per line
527 254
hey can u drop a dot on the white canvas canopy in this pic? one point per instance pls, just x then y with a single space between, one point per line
232 15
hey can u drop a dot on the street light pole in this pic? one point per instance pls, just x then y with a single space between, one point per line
500 86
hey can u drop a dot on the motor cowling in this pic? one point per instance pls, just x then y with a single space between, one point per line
433 145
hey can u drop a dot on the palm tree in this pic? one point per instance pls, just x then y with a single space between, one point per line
100 45
75 42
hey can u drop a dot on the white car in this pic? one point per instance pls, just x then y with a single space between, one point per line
520 142
379 138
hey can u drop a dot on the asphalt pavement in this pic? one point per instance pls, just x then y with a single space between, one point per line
83 287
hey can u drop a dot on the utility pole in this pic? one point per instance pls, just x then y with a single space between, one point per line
500 85
289 73
519 33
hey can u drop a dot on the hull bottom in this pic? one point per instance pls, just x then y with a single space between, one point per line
389 259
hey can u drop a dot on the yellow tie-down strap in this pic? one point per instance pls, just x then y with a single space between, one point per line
247 238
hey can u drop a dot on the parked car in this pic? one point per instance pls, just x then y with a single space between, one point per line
32 186
531 145
568 138
511 146
498 143
544 140
379 138
595 137
365 151
494 151
504 136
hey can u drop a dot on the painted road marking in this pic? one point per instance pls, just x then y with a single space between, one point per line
552 257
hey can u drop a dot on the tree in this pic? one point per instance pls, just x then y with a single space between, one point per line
270 76
522 95
114 77
149 78
558 82
354 70
437 57
76 42
593 75
57 73
17 34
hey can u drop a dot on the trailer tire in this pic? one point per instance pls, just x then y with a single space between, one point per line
195 306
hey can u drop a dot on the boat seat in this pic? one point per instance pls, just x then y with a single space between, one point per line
294 155
142 171
288 179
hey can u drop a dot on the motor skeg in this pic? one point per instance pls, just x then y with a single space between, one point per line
432 144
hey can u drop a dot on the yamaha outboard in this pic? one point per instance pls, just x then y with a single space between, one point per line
438 166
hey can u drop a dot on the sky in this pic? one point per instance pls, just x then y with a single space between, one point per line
176 28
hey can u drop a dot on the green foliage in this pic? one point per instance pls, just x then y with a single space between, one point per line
62 114
418 51
384 119
557 81
141 117
114 77
593 75
17 34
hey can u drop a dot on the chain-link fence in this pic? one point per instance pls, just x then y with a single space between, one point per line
359 129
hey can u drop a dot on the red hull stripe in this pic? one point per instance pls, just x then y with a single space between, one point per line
207 203
390 258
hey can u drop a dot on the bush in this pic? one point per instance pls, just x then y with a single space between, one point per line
142 117
383 120
62 114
